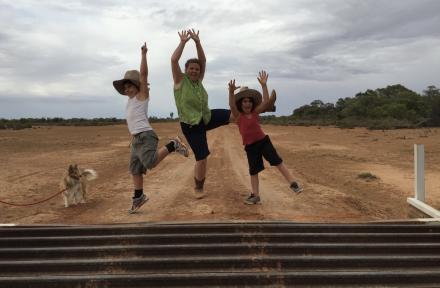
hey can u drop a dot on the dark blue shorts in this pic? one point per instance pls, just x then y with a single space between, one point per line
255 153
196 134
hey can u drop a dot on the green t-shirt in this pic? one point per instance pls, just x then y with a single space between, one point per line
192 102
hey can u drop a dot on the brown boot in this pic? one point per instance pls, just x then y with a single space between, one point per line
271 105
199 193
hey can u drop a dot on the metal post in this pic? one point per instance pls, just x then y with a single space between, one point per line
419 171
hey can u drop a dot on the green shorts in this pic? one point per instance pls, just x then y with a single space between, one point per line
143 152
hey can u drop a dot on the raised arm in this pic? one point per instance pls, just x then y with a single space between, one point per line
144 92
232 103
200 53
262 78
177 73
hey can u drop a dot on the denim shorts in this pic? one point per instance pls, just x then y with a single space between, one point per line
255 153
143 152
196 134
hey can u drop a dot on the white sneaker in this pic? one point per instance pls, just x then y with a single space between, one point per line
137 203
180 146
252 200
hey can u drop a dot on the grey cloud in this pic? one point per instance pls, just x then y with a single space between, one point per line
284 65
37 61
84 7
182 16
42 64
388 20
323 46
355 29
384 23
61 99
33 60
4 37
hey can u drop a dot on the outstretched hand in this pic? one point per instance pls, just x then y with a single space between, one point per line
144 48
262 77
184 36
194 35
232 86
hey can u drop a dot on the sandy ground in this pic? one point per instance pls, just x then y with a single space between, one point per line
325 160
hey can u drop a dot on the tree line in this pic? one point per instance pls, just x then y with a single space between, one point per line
23 123
385 108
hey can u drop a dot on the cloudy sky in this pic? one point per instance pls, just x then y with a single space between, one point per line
59 58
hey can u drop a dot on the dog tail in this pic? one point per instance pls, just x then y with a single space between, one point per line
90 174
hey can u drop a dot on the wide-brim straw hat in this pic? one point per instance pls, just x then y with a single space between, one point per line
132 76
245 92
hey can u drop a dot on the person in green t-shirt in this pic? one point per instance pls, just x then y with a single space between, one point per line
192 105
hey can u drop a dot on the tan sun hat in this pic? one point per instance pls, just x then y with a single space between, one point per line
245 92
131 76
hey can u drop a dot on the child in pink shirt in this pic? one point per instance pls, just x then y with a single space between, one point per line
246 105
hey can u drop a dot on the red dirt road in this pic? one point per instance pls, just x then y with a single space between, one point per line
326 161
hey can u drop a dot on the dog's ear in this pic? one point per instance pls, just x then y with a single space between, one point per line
70 168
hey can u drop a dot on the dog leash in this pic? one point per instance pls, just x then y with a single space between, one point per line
41 201
29 204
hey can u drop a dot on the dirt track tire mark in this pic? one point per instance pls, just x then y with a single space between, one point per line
15 178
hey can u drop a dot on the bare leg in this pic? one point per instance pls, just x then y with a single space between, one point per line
199 178
161 154
138 181
285 172
138 200
272 99
200 169
255 185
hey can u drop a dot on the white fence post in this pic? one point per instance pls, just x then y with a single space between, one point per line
419 184
419 172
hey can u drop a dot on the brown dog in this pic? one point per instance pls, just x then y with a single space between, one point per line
75 182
